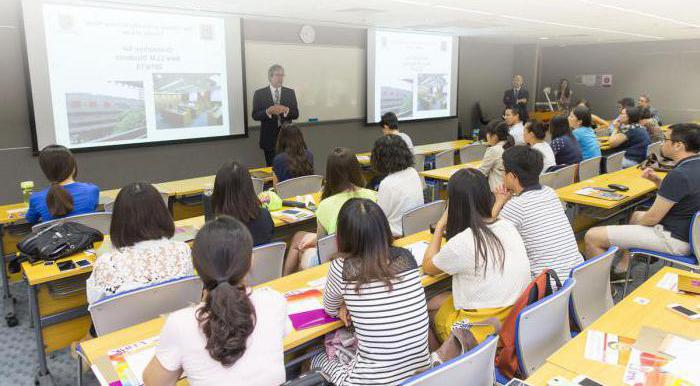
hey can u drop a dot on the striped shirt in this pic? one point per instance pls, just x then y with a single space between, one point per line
391 326
545 229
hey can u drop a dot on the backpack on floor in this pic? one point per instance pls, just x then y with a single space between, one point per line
506 358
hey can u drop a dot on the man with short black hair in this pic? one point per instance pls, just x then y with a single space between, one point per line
390 125
513 118
665 227
645 103
537 213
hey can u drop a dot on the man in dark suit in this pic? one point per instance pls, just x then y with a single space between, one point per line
517 97
273 106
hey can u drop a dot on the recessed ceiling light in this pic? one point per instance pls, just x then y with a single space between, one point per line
543 38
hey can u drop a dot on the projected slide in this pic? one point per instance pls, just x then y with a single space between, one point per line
120 76
413 75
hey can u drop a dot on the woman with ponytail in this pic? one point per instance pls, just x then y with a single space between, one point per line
64 197
498 139
234 336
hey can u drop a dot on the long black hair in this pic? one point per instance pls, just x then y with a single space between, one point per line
470 202
343 172
234 194
139 214
291 141
58 164
559 127
221 254
364 240
502 132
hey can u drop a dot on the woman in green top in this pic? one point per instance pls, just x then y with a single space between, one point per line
343 181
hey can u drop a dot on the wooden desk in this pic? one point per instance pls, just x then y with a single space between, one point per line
444 174
98 347
548 371
429 149
630 177
626 319
9 214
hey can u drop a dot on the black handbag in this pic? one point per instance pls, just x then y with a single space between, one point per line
58 240
658 164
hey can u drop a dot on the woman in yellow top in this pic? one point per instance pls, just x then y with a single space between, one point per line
485 256
343 181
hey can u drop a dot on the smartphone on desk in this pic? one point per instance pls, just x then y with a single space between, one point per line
66 265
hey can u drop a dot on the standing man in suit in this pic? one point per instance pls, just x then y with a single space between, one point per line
517 97
273 106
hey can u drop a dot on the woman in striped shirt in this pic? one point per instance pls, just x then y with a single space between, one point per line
376 288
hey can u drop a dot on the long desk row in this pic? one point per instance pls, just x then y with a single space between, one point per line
625 319
58 303
96 348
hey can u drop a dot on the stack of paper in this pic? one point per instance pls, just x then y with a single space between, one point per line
418 251
305 308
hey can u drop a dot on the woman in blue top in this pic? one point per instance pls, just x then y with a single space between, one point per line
64 197
632 137
566 149
293 158
580 122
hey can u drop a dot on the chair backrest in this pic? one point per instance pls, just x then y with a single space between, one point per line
110 205
564 176
614 162
475 368
654 148
589 168
592 297
420 218
326 247
299 186
419 162
473 152
547 179
132 307
444 159
97 220
542 327
267 263
695 236
258 185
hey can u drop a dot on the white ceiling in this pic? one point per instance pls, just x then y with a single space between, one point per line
551 22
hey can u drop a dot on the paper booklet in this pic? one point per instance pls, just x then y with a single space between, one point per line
596 193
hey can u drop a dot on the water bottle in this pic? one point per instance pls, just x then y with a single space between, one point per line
208 189
475 134
27 190
206 201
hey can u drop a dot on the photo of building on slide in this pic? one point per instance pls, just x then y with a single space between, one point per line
398 98
117 112
187 100
432 92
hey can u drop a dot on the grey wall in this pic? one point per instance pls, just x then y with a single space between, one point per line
115 168
668 71
485 71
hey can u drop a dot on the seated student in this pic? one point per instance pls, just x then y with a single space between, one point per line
485 256
234 336
390 125
665 227
65 197
293 158
566 148
535 133
596 121
377 289
515 124
401 188
616 125
645 103
647 120
580 121
142 252
498 139
537 213
632 137
234 196
343 181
